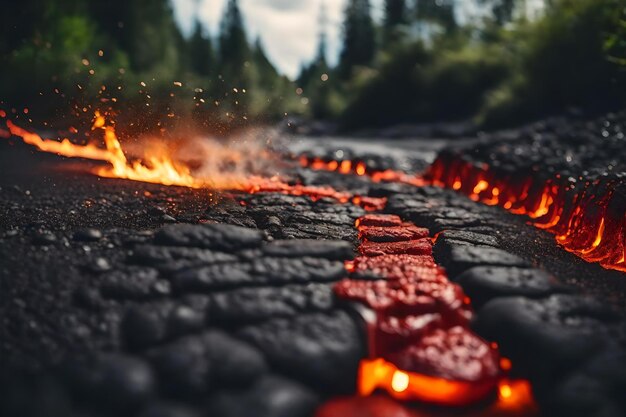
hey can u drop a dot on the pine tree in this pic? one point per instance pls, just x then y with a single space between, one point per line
437 11
201 56
266 71
234 50
359 44
395 16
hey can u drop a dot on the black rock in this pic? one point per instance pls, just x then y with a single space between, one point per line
88 235
271 396
44 238
483 283
184 320
209 236
110 381
335 250
322 350
263 271
143 326
250 305
458 257
161 409
98 265
546 336
193 365
135 283
166 218
173 258
469 237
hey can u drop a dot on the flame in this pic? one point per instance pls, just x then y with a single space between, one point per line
158 163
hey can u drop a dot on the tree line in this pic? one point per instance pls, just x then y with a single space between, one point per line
424 61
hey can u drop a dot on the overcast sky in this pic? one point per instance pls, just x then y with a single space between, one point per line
288 28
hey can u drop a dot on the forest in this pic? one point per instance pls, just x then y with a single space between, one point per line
422 62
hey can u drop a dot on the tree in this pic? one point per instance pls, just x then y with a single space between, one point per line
234 50
266 72
501 10
359 44
395 17
201 56
437 11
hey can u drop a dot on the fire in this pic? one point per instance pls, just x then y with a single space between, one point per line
157 163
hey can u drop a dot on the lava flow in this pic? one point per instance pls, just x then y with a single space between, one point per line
420 344
588 218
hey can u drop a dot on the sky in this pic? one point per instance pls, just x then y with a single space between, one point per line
288 29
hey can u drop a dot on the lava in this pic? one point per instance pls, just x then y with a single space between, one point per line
419 341
588 218
359 168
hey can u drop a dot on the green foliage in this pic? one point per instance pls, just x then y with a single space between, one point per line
562 62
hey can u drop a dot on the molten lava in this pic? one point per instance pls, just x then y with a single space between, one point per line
588 218
361 169
420 344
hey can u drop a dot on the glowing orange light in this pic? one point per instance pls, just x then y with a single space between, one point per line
378 373
597 240
399 381
481 186
360 168
505 364
505 391
345 166
457 184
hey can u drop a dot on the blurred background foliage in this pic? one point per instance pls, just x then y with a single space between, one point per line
421 63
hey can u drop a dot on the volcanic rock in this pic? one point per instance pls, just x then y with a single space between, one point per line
209 236
112 381
458 257
261 271
483 283
249 305
323 350
546 336
334 250
270 396
134 283
88 235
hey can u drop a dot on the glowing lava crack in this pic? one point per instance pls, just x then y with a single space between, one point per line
420 344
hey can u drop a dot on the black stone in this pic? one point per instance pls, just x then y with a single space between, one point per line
209 236
88 235
134 283
162 409
335 250
546 336
263 271
173 258
143 326
193 365
249 305
322 350
110 381
458 257
483 283
270 396
469 237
